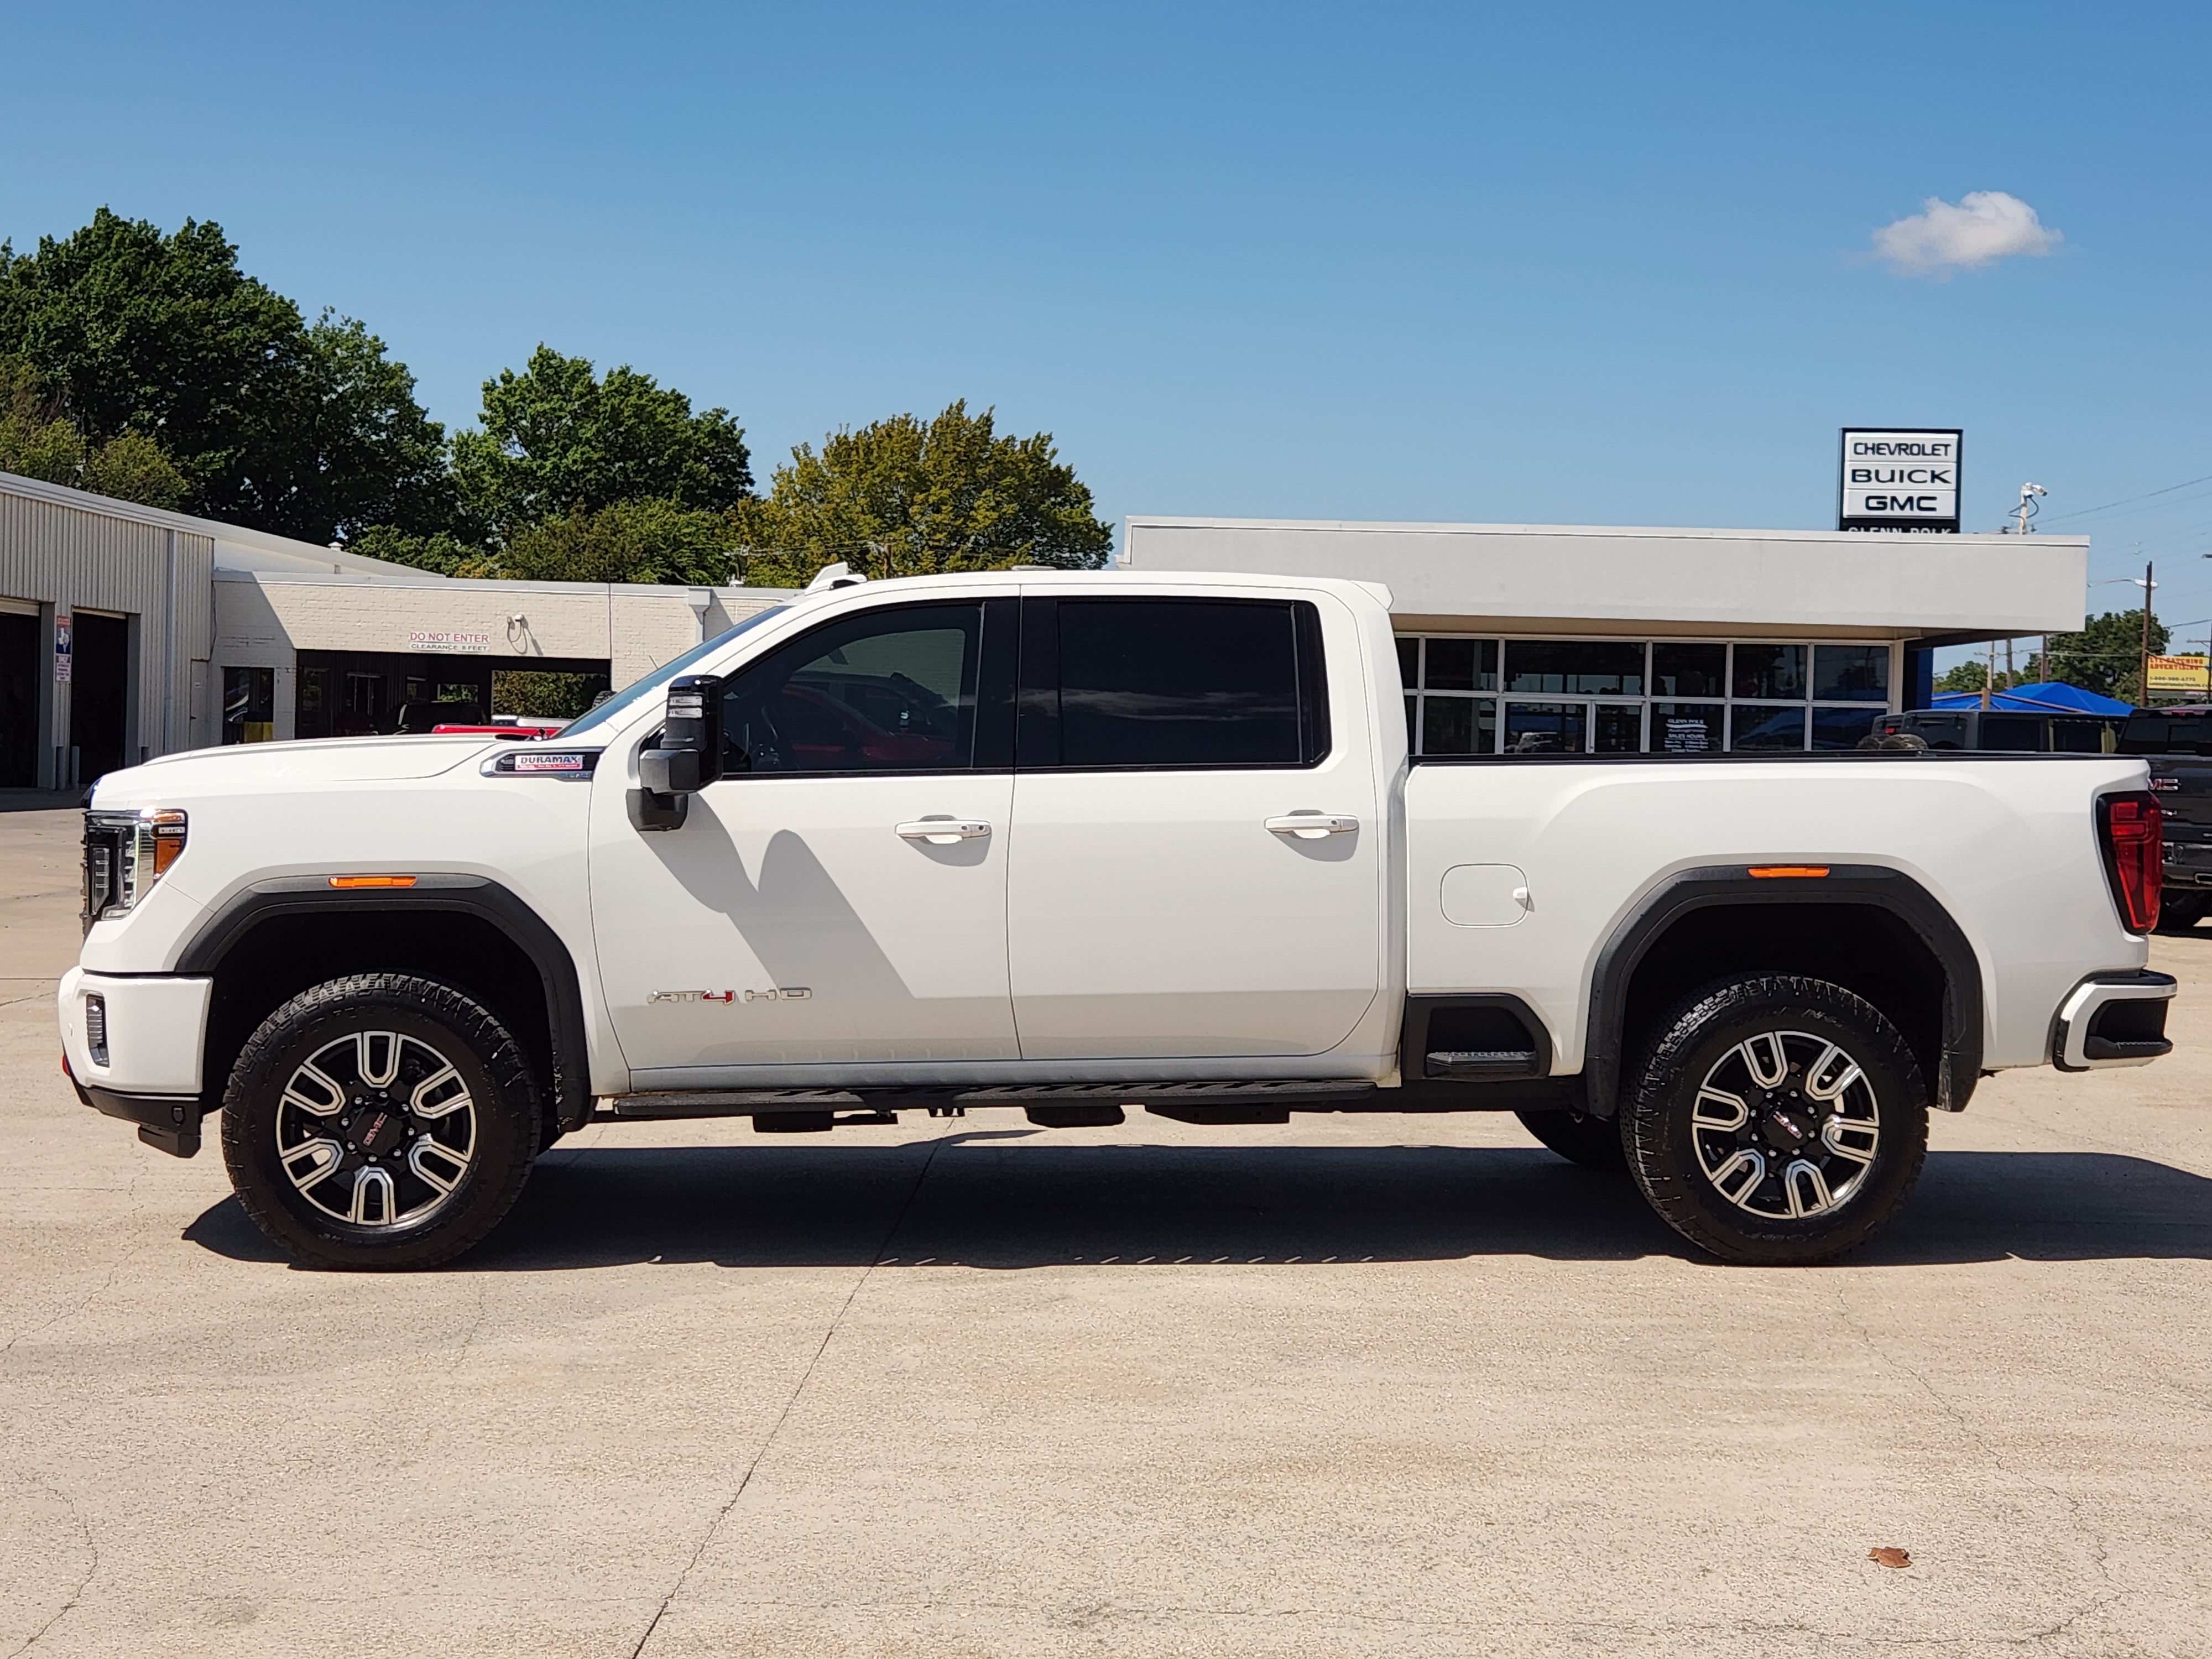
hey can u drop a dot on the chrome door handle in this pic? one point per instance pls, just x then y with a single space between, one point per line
944 832
1312 826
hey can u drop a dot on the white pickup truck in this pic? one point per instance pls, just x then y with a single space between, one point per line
1071 843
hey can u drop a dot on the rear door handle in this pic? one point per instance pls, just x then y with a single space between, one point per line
943 831
1312 826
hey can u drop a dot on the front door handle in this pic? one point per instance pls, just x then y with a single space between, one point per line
943 831
1313 826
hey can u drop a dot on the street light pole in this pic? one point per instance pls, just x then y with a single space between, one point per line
2142 686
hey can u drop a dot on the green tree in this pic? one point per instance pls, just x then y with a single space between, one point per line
439 550
2106 655
905 497
557 440
635 541
307 431
38 440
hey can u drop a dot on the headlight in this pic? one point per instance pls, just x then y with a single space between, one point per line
125 854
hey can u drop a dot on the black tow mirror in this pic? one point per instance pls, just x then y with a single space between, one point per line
688 757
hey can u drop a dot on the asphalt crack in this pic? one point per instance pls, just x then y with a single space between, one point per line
791 1402
2071 1504
92 1548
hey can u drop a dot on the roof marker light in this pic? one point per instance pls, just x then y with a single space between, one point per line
345 883
1767 871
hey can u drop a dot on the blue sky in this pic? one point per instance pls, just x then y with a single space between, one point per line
1594 264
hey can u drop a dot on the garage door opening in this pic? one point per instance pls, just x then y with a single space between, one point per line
99 695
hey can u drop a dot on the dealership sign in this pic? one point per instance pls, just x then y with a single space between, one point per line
1900 478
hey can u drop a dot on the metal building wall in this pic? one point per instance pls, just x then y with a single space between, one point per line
66 551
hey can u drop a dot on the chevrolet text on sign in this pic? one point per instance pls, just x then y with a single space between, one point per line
1900 478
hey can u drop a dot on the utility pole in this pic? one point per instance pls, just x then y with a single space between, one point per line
2143 685
1989 674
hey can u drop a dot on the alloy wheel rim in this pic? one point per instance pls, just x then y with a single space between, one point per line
377 1129
1786 1126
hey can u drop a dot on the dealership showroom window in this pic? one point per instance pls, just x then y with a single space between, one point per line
1471 696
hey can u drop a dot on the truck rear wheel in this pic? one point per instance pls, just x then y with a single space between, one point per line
379 1121
1592 1142
1776 1120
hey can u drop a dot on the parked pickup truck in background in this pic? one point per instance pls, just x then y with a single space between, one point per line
1072 843
2176 742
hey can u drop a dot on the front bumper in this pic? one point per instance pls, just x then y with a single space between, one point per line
2113 1019
139 1057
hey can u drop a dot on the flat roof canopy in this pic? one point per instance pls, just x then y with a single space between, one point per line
1534 578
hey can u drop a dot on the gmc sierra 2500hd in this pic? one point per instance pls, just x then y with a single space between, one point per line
1073 842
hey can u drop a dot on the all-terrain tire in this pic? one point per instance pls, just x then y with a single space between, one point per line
379 1121
1592 1142
1793 1053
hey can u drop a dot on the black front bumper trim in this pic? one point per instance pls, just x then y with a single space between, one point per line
169 1122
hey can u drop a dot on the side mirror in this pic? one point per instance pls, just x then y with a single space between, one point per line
690 757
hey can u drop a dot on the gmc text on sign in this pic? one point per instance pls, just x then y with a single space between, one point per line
1900 478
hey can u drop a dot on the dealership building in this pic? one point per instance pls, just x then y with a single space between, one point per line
127 632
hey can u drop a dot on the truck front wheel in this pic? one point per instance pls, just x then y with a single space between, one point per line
379 1121
1776 1120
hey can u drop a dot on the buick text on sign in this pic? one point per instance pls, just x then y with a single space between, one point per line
1900 478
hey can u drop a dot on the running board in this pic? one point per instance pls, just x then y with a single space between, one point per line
1218 1102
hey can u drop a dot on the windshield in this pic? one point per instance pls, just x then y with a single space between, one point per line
628 698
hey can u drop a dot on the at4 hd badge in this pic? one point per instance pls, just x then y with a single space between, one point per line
773 994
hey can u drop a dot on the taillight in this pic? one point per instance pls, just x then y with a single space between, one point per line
2133 828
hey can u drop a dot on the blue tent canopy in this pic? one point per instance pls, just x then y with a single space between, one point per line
2047 697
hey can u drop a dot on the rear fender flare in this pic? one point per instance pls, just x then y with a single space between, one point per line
1960 1063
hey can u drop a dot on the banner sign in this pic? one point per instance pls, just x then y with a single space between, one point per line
447 641
1900 478
62 652
2181 674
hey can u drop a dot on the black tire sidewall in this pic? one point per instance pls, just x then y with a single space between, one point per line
1693 1037
479 1048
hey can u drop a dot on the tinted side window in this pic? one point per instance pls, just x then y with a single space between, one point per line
1174 683
885 691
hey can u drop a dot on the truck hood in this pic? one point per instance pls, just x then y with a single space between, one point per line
244 768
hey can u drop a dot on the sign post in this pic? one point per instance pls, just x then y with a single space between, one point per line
1900 478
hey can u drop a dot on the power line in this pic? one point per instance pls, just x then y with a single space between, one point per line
2125 501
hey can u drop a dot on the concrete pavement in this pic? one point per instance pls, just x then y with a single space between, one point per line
1368 1385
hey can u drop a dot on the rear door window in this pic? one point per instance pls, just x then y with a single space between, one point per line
1171 682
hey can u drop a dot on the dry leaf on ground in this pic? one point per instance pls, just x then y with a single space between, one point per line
1891 1557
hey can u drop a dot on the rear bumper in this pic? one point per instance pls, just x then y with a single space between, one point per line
2113 1019
2189 864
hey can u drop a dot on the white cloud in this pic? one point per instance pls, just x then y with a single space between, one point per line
1985 226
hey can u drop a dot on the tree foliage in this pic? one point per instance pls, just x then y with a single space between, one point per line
304 430
439 550
558 440
906 497
635 541
2106 655
38 440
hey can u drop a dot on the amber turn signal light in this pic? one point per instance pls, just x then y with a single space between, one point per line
1767 872
347 881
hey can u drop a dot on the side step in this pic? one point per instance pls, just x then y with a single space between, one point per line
1480 1065
1054 1104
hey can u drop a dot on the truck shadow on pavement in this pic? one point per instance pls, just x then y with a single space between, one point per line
986 1203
